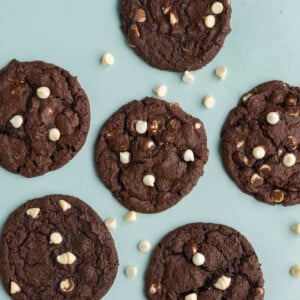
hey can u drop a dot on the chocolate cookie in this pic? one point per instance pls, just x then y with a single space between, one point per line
56 247
176 35
44 117
204 261
150 154
260 143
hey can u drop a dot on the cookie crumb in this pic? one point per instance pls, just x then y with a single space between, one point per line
221 72
161 90
107 59
111 223
188 77
295 271
131 271
296 228
131 216
144 246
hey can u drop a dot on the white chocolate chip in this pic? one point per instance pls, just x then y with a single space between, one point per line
33 212
144 246
141 126
55 238
16 121
197 125
43 92
141 16
188 155
295 271
277 196
107 59
209 101
289 160
130 216
272 118
192 296
125 157
54 134
161 90
256 180
240 144
67 285
14 288
149 180
223 283
153 289
67 258
258 152
111 223
198 259
265 167
64 205
217 7
296 228
173 19
221 72
246 97
188 77
131 271
210 21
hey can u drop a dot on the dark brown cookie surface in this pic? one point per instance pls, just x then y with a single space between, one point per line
150 154
260 143
176 35
56 247
204 261
44 117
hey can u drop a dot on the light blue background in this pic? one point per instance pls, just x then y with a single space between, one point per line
264 45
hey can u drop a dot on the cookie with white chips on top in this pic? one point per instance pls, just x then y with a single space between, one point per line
56 247
260 143
204 261
150 154
44 117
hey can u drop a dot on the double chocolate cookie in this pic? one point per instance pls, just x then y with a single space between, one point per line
204 261
44 117
176 35
56 247
260 143
150 154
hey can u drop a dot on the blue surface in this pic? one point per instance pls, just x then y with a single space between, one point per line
264 45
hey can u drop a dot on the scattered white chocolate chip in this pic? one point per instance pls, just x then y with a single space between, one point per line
141 126
149 180
277 196
64 205
131 271
125 157
33 212
188 77
223 283
272 118
55 238
295 271
111 223
66 258
210 21
54 134
188 155
43 92
221 72
14 288
130 216
296 228
217 7
16 121
67 285
258 152
198 259
144 246
107 59
192 296
289 160
209 101
161 90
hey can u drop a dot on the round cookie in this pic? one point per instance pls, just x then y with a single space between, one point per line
150 154
176 35
56 247
44 117
260 143
204 261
